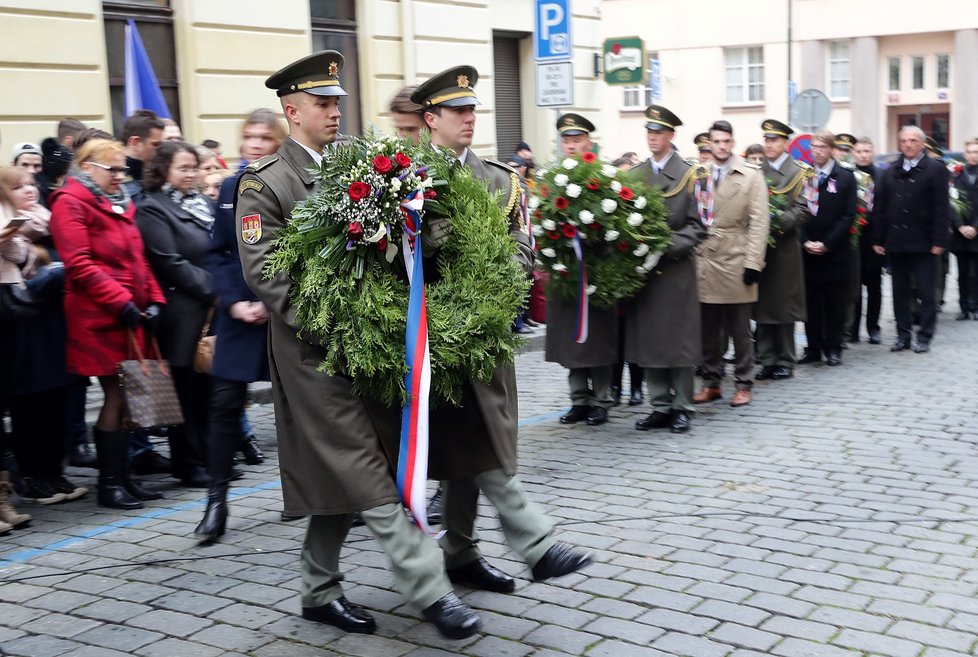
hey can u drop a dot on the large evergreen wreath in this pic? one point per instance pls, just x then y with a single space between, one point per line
349 287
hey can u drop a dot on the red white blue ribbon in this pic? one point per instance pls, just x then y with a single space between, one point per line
412 459
580 332
704 200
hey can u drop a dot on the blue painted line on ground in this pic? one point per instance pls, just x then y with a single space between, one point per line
155 514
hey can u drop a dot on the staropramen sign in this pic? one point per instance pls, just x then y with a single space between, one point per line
624 60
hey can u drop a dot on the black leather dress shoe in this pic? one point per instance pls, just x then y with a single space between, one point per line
452 617
833 359
637 398
616 395
251 451
575 414
343 614
921 348
657 420
680 422
284 517
874 337
900 345
782 372
598 415
767 372
150 462
561 559
480 574
810 357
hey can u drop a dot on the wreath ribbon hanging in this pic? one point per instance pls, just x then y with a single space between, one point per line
581 331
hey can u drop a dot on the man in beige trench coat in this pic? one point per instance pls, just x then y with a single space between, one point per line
729 264
331 458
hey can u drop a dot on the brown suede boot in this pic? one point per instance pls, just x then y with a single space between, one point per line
8 514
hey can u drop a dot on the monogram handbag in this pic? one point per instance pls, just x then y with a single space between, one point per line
204 354
148 394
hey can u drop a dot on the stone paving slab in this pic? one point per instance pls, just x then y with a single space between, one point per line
835 516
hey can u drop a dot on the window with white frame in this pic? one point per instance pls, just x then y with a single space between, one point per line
744 74
639 97
893 67
917 62
943 71
839 70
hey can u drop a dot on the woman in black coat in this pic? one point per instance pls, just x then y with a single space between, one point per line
176 224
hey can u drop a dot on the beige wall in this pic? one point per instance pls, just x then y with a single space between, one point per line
46 79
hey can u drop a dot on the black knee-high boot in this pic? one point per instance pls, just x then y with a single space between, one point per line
112 450
215 515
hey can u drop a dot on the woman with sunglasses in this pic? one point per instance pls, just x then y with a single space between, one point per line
176 223
110 292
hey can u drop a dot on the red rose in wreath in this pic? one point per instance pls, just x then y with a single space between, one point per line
383 164
568 230
560 203
355 231
402 160
626 194
589 157
545 191
592 184
553 235
359 190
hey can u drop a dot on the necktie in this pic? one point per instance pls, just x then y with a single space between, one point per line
718 177
821 178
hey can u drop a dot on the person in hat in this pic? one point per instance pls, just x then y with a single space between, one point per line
702 143
728 265
662 322
781 288
590 365
28 156
474 446
331 459
842 149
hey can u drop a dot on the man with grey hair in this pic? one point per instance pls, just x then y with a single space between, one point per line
911 227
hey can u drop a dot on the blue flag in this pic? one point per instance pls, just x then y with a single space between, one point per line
142 89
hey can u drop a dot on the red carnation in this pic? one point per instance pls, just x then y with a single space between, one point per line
382 164
560 203
552 235
862 222
355 231
592 184
359 190
623 246
545 191
861 210
589 157
382 244
537 214
626 194
431 194
853 230
402 160
568 230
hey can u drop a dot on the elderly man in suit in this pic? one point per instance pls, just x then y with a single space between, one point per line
912 226
729 264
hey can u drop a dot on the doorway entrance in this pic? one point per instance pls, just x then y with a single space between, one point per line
936 125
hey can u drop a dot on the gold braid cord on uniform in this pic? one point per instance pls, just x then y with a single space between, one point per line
688 181
794 187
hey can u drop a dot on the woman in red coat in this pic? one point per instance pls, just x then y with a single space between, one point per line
109 291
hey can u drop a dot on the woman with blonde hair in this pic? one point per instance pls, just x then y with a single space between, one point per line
111 298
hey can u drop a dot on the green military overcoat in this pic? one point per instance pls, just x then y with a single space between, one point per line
662 322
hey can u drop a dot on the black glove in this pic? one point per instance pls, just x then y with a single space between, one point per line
751 276
130 316
151 318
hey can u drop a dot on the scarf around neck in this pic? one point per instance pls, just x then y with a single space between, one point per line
194 203
121 198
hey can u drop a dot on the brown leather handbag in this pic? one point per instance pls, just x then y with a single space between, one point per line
148 394
204 355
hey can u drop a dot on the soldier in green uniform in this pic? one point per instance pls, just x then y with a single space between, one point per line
781 288
473 448
590 364
331 458
662 322
702 143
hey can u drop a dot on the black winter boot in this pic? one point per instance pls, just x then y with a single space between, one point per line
112 451
215 515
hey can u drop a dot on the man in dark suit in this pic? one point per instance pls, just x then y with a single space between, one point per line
964 239
912 220
870 274
828 252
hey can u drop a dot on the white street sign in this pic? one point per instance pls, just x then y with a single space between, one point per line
555 84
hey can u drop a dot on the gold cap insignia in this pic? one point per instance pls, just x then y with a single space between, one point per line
463 81
570 121
767 126
334 68
655 114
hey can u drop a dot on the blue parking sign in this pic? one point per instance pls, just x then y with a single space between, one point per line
552 33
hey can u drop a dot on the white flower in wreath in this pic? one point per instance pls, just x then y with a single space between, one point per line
585 217
641 202
641 270
611 235
534 203
590 289
548 252
569 163
609 205
549 224
538 230
395 185
561 179
573 190
641 250
652 260
635 219
615 186
609 170
559 266
954 193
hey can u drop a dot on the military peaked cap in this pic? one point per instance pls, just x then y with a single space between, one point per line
774 128
660 118
845 141
702 141
574 124
317 74
452 88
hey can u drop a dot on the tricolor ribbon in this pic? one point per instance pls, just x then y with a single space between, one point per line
870 192
704 200
811 194
580 332
412 458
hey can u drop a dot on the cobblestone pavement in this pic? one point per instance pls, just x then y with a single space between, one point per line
834 517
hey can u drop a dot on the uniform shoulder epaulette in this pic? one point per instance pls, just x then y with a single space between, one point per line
515 184
505 167
262 162
847 165
802 165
